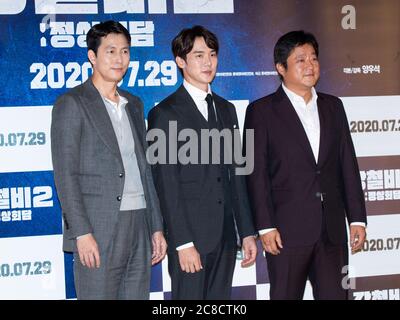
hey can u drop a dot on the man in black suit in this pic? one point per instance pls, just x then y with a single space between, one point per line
202 203
306 179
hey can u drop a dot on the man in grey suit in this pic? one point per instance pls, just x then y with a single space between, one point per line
111 213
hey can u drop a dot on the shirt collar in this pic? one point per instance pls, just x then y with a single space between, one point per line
295 97
122 101
196 93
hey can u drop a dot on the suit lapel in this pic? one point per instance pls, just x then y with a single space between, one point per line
187 108
289 116
323 112
98 114
222 112
136 122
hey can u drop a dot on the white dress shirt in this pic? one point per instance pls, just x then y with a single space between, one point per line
199 98
308 115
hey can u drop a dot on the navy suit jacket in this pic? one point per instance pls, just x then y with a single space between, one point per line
190 194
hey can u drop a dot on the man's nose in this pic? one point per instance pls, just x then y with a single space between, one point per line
207 60
118 57
309 63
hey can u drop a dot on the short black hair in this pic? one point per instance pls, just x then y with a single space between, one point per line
103 29
288 42
183 43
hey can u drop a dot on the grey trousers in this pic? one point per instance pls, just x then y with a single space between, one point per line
125 265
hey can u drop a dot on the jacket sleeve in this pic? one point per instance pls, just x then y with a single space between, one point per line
259 182
153 205
66 130
243 218
353 195
166 181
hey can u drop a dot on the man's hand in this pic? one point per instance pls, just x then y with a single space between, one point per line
88 251
249 248
271 241
357 238
189 259
159 247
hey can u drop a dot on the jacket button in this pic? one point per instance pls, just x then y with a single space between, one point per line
318 172
119 198
219 201
318 194
121 175
219 179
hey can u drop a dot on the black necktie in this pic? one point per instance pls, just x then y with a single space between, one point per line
212 119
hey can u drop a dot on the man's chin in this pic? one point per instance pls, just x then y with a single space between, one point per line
118 75
311 83
208 79
115 79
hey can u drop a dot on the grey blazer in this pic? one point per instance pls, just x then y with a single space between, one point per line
88 168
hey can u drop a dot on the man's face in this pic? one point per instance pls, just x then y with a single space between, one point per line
302 71
200 66
112 59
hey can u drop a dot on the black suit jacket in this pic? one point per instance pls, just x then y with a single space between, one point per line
286 185
190 195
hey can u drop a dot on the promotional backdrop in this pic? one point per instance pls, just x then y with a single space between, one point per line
43 54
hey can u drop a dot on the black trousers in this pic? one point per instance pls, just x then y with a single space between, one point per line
213 282
322 263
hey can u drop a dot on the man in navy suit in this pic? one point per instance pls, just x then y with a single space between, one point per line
306 179
202 203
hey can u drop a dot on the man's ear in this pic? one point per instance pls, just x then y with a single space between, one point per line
281 69
180 62
92 57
